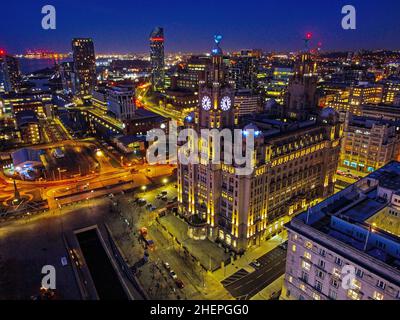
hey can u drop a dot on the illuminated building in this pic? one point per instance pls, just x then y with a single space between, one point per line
188 76
386 112
17 102
27 124
183 100
295 164
243 72
357 229
247 102
67 75
301 98
391 89
354 97
276 87
369 143
121 102
11 73
99 99
157 58
84 65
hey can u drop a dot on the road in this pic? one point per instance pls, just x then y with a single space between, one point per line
272 267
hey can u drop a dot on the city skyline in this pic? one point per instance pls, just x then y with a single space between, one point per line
265 30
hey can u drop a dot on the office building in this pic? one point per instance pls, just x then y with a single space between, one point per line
355 230
247 102
295 163
27 123
369 143
121 102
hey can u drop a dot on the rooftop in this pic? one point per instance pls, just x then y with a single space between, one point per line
347 216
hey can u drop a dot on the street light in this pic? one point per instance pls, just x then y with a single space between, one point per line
165 181
144 188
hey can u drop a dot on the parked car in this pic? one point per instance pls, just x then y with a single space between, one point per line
256 263
167 266
173 275
164 199
179 283
164 193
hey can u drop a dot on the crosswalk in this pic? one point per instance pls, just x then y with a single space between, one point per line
235 277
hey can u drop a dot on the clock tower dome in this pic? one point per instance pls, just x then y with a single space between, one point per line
216 108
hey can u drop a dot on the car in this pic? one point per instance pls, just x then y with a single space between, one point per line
179 283
173 275
164 199
284 245
167 266
256 263
164 193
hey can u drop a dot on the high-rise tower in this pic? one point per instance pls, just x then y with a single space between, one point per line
84 65
10 70
157 58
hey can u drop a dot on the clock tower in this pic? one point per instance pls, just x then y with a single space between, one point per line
216 95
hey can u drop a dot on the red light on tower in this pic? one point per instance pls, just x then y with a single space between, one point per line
2 52
308 35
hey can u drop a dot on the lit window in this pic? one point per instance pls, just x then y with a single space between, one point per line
308 245
316 296
378 295
294 248
354 295
307 255
306 266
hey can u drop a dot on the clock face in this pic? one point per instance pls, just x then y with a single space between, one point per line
206 103
226 103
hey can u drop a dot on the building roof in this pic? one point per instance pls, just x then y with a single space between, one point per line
26 117
24 155
345 216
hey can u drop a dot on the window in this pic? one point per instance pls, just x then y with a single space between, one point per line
356 284
316 296
335 283
381 285
338 261
318 286
305 265
322 252
308 245
359 273
304 276
336 273
321 264
320 274
303 287
307 255
332 294
290 279
354 295
294 248
378 296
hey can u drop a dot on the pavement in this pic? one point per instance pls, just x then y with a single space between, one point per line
272 267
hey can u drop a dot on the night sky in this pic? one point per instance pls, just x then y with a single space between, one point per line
124 26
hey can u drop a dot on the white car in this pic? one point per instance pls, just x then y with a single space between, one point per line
173 275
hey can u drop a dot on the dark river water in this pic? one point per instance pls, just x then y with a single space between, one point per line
31 65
